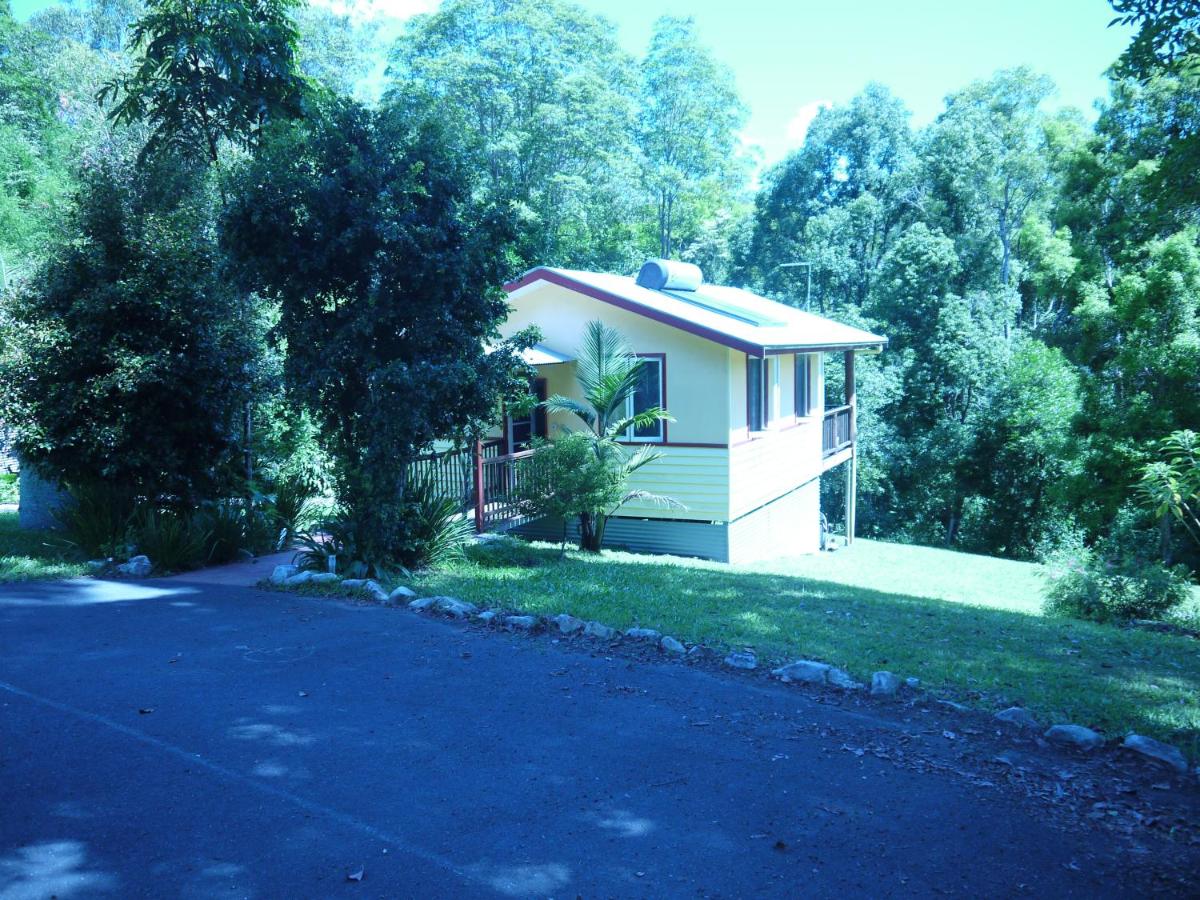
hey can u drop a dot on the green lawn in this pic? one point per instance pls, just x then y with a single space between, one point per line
970 627
30 555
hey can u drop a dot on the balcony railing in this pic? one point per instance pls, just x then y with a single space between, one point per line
837 430
491 487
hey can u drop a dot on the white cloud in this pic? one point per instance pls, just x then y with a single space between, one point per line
797 128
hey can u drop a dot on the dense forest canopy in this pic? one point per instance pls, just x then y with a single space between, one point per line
1038 273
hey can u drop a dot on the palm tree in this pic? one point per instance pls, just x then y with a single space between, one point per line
608 374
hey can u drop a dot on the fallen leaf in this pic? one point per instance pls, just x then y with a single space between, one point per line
145 710
355 876
301 693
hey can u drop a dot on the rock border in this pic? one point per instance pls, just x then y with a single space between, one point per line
883 684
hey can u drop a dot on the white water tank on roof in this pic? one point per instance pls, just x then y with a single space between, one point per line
670 275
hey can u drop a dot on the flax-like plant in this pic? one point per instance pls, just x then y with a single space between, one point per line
608 373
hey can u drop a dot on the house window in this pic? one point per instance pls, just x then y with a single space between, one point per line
647 394
804 386
756 393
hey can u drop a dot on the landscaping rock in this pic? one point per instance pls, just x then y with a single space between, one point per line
1016 715
1157 751
884 684
280 574
375 591
739 660
420 603
670 645
643 634
597 630
354 583
402 595
804 671
299 578
698 651
521 623
137 567
1074 736
487 616
323 578
452 606
567 624
841 679
913 683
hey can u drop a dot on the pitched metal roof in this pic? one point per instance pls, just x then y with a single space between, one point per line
726 315
541 355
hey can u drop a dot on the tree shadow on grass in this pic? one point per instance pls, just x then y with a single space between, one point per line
1104 676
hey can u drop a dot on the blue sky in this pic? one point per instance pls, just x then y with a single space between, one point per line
789 56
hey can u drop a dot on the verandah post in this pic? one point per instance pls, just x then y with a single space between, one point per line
852 465
479 499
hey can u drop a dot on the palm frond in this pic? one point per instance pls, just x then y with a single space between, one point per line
558 403
652 498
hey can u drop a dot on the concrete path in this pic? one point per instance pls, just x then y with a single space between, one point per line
179 738
238 574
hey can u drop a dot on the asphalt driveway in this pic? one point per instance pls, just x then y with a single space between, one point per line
175 739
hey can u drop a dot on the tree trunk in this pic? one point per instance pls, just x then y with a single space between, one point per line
591 532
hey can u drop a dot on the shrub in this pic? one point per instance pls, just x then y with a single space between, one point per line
226 532
233 533
1086 585
293 507
174 541
432 530
438 529
96 520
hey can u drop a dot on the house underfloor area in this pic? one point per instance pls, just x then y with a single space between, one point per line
786 526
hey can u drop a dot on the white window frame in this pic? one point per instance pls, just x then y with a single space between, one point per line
804 363
630 435
775 391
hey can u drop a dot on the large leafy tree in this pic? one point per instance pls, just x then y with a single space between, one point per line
337 50
47 117
836 205
209 71
986 160
1167 44
368 228
120 364
542 90
1145 365
688 132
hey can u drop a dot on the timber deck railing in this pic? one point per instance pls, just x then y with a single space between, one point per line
486 483
837 431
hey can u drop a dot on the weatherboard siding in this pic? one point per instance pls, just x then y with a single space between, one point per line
697 477
773 464
786 526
